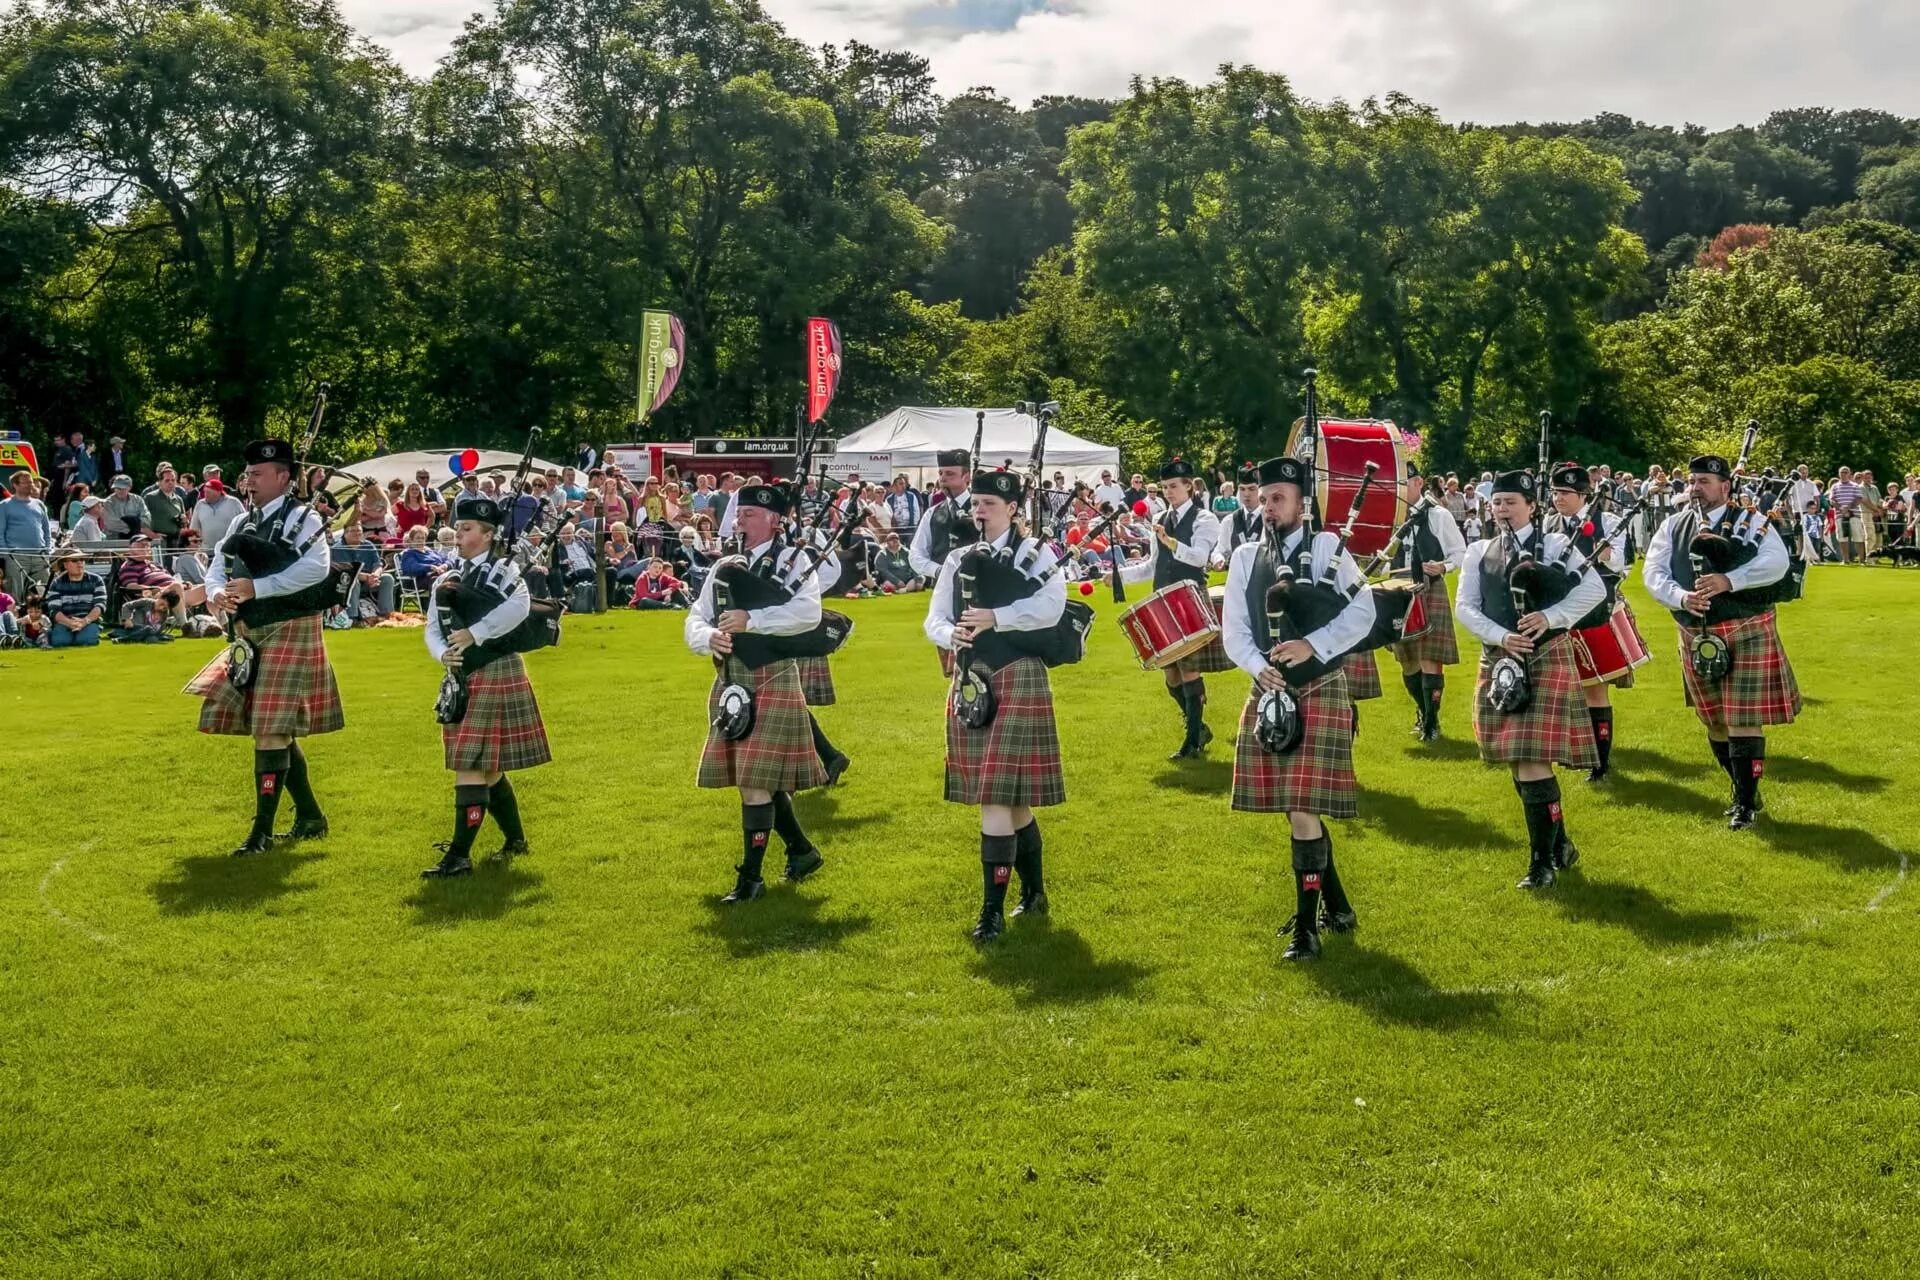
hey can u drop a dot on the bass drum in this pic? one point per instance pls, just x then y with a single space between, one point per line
1341 461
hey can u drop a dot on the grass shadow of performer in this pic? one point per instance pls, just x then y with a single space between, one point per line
1629 906
1044 964
1640 761
819 810
1388 989
785 920
1407 820
489 893
1671 797
1207 776
1444 749
226 883
1798 769
1848 848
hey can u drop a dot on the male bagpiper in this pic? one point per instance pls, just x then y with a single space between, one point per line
1294 605
270 578
1435 549
1571 488
1003 754
816 674
1720 569
1520 590
490 723
758 740
946 527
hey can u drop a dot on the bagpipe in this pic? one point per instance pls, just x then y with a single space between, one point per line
1399 607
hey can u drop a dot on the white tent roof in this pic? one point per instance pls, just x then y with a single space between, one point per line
913 434
401 466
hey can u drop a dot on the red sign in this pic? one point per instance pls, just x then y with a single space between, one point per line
823 366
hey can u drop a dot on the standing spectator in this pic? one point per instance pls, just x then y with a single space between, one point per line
116 461
166 506
1872 513
75 600
126 511
701 499
892 568
1108 491
570 487
1896 506
585 456
215 513
73 465
372 511
1804 489
655 588
353 553
75 504
26 535
1136 490
412 512
905 506
1848 518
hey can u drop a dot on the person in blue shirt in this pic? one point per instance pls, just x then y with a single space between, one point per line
26 535
75 600
420 562
354 552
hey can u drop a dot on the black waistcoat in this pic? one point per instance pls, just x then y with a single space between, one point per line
1306 606
988 579
259 547
1733 604
951 528
1167 570
1496 590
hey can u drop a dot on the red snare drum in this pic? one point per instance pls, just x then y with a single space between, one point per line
1416 623
1399 614
1172 623
1607 652
1341 460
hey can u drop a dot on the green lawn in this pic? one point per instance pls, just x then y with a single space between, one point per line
1696 1056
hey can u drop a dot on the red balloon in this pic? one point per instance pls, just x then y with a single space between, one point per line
469 459
1141 508
1086 588
1074 535
1586 530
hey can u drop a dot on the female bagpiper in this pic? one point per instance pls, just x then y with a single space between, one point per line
1294 604
992 600
490 723
1519 592
1571 488
1425 558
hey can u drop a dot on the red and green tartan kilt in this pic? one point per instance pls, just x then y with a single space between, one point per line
1437 643
1363 676
778 755
1016 759
1758 690
1314 777
502 730
1554 727
946 662
1213 658
816 681
293 693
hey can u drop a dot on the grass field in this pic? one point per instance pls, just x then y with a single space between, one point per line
1698 1056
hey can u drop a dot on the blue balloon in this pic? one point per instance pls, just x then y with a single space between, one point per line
453 464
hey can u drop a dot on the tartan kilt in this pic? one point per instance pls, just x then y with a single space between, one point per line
1206 661
293 694
1363 676
502 730
946 662
1016 759
1317 775
1759 689
1554 728
1438 643
816 681
778 755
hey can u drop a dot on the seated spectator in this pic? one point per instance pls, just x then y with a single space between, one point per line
190 566
36 628
446 542
90 528
624 564
75 601
372 511
215 513
420 564
71 508
354 555
538 557
655 588
9 622
577 567
893 570
412 511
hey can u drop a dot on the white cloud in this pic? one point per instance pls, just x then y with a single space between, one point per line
1715 62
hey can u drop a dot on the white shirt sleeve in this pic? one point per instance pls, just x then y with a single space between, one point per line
1466 600
698 629
1041 609
1350 626
309 570
938 626
1769 565
1236 628
1140 570
1453 544
1587 592
1206 534
1654 569
920 554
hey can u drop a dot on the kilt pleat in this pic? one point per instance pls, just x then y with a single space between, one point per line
1016 759
1206 661
1438 643
1363 676
293 693
816 681
1759 689
1316 776
1554 727
778 755
502 730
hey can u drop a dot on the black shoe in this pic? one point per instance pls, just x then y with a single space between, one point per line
1206 737
1597 774
1338 921
1186 748
255 843
1031 904
1566 855
509 851
745 887
1539 876
305 829
836 767
803 864
1430 732
1305 946
448 867
1740 819
992 923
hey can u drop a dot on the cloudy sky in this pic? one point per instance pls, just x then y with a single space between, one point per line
1713 62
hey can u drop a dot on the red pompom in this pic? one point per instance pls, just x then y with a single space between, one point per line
1086 588
1586 530
1140 508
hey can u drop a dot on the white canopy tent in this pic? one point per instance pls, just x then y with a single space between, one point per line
915 434
401 467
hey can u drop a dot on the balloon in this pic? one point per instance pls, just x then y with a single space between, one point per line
1086 588
455 463
1074 535
1586 530
1141 508
469 459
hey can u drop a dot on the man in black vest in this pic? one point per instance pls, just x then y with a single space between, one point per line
1571 486
946 527
1184 542
1721 589
271 574
1243 525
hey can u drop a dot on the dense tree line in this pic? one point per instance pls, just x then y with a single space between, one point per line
206 206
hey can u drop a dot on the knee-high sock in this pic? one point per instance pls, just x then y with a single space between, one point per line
1310 858
756 823
1416 683
1336 893
1026 858
469 814
1723 752
996 867
1602 718
821 747
787 823
1749 761
1435 686
304 805
1196 707
505 806
269 779
1541 799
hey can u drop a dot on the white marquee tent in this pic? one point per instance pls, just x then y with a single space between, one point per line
401 467
914 434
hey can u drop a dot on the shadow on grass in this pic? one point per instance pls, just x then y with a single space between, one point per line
226 883
819 812
1388 989
785 920
1207 776
1443 748
489 893
1799 769
1645 914
1846 847
1668 797
1045 964
1407 820
1639 761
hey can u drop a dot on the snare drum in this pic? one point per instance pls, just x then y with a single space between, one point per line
1611 650
1169 625
1345 450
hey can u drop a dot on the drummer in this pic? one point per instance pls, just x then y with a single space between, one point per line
1434 550
1183 542
1573 519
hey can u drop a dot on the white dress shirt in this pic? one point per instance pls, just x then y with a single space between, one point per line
1768 565
1035 613
309 570
1197 554
920 554
796 617
1612 555
1575 605
500 619
1348 627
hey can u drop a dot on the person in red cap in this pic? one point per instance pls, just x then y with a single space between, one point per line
215 512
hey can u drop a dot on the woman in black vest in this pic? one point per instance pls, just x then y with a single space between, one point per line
1519 592
1571 487
1424 559
992 599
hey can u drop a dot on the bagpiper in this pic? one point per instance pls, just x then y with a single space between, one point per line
1721 569
1574 518
269 577
1519 592
490 724
946 526
816 671
993 600
1434 549
750 609
1295 604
